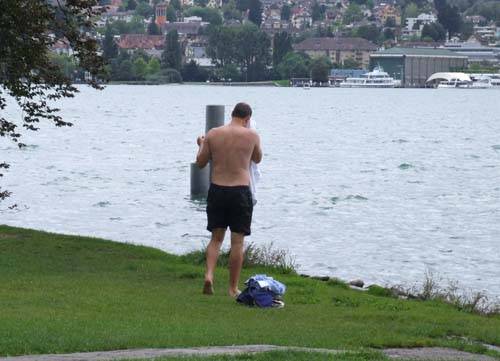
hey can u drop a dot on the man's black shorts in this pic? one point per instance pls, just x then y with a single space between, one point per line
229 207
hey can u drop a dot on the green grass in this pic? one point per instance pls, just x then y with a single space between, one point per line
284 82
66 294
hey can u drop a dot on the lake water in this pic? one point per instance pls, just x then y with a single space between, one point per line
378 184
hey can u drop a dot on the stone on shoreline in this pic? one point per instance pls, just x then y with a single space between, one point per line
321 278
357 283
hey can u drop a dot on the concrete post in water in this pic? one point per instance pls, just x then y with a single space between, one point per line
200 178
214 117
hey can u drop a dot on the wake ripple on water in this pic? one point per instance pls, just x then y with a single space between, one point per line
405 166
101 204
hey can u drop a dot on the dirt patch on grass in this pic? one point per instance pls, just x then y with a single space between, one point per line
414 354
9 236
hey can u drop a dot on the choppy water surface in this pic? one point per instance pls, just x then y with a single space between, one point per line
377 184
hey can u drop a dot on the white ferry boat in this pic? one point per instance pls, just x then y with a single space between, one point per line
483 82
466 81
377 78
495 81
455 83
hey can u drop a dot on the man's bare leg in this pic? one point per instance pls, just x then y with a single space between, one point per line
235 262
212 255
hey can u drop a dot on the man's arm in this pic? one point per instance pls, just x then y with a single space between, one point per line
203 155
257 150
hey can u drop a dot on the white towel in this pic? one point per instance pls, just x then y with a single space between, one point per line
254 172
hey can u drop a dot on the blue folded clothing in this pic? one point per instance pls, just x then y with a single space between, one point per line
262 291
265 281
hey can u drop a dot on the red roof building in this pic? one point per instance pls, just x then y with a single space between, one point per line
141 41
338 49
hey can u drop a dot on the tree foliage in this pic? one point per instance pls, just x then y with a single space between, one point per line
207 14
144 10
434 31
350 63
131 5
320 69
369 32
154 66
109 47
411 10
172 55
282 44
246 46
285 12
27 72
230 12
171 14
294 65
153 28
253 51
221 46
448 16
317 11
489 9
192 72
176 4
389 34
255 12
353 13
242 5
135 26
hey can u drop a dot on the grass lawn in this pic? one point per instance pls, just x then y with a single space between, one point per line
284 82
65 294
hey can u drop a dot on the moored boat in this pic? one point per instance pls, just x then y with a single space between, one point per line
377 78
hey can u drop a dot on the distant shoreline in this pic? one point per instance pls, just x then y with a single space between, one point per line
240 84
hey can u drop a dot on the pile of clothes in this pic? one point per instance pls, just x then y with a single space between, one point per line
262 291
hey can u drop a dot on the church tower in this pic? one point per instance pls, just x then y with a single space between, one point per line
161 14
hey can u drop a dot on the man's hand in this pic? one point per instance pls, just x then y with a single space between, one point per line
204 152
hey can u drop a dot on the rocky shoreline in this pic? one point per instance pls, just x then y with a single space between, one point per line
477 302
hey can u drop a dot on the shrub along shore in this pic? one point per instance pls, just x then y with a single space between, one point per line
63 294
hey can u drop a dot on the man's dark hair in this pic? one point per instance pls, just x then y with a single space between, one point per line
241 110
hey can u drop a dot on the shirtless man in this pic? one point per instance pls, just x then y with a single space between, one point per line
229 203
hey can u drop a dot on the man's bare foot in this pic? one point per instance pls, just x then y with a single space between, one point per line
234 293
208 288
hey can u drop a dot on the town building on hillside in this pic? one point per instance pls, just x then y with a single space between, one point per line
338 49
192 19
215 4
413 66
487 34
474 51
196 51
113 14
386 11
151 44
272 26
301 18
414 26
62 47
186 29
420 44
476 19
273 11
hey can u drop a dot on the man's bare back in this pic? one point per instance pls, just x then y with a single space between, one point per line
232 147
